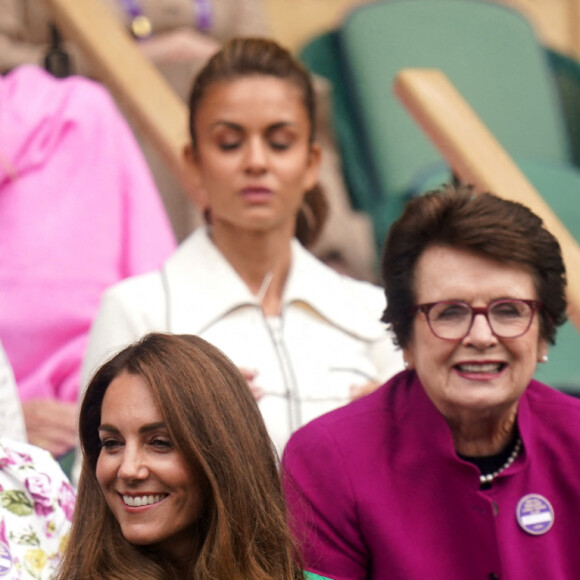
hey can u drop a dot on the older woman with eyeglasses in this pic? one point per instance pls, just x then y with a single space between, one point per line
462 466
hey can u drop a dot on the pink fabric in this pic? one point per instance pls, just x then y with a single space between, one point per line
378 493
78 212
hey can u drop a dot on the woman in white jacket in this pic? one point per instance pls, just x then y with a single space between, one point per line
305 337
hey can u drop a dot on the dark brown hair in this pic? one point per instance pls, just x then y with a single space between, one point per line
215 425
484 224
243 57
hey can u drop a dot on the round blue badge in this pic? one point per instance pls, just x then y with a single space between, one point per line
5 559
535 514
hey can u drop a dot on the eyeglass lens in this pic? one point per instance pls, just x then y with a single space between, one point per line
507 318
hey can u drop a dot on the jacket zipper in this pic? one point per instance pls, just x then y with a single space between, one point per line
274 329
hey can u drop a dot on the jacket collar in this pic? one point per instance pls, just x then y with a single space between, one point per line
202 287
431 441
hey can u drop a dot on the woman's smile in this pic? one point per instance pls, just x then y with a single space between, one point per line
480 370
480 373
153 495
135 501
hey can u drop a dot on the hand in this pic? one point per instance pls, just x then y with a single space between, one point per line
358 391
51 424
179 45
250 375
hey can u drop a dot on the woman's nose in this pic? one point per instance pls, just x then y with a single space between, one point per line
480 334
133 465
256 156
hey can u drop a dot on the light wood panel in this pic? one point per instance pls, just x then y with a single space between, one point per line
294 22
557 22
478 159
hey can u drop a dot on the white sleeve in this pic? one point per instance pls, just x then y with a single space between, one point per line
11 417
128 311
387 357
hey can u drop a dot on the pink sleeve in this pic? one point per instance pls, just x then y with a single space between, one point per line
81 213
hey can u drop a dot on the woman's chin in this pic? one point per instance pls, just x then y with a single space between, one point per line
480 401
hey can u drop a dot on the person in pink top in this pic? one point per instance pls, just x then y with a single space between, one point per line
462 466
78 212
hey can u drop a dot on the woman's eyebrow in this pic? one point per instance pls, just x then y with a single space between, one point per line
228 124
108 428
144 429
152 427
280 125
240 128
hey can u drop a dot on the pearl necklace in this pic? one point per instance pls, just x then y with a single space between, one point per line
489 477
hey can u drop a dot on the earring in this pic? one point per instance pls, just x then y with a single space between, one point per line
544 358
406 364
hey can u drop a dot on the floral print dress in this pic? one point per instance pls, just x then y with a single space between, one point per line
36 508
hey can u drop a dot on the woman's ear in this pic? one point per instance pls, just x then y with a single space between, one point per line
313 169
542 351
195 191
409 358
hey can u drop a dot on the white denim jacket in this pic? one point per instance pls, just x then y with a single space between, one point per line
328 338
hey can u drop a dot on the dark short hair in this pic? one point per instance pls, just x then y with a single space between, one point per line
247 57
484 224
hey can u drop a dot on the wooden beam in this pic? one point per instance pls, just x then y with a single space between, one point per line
478 159
146 98
574 28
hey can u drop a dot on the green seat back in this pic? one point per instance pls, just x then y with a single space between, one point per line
489 53
322 56
566 73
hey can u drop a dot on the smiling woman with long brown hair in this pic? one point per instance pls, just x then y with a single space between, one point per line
179 479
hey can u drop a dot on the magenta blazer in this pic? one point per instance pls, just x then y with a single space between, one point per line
377 492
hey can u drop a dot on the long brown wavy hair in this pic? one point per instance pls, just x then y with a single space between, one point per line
215 425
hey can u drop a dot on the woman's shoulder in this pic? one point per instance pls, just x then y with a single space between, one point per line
360 423
13 452
144 290
555 413
545 400
317 279
38 503
128 309
363 289
307 260
540 390
22 461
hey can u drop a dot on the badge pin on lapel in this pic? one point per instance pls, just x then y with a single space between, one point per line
535 514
